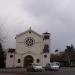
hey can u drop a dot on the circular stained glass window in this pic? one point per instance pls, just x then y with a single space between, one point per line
29 41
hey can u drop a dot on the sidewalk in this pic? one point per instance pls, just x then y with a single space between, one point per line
14 70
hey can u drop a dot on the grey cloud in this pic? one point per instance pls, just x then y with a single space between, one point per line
54 16
58 17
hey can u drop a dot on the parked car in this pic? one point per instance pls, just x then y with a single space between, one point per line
52 66
29 68
47 67
34 68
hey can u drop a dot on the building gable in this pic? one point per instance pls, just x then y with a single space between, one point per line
28 31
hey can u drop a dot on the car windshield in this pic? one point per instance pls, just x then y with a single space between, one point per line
54 63
36 65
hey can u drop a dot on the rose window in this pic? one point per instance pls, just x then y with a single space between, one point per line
29 41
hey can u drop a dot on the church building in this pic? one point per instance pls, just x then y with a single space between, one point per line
31 47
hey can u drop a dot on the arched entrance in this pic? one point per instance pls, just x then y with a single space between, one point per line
28 60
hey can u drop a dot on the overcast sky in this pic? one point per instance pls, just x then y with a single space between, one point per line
54 16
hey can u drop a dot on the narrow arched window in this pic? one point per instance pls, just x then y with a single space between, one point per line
45 56
11 56
19 60
38 61
46 48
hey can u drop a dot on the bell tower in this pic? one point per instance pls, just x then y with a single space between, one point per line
46 48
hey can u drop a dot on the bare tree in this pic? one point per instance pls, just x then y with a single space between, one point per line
2 35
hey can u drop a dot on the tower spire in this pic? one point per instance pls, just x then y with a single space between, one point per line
30 28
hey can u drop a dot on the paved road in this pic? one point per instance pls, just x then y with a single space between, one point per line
39 73
65 71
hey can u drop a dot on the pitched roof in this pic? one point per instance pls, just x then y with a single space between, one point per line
29 30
